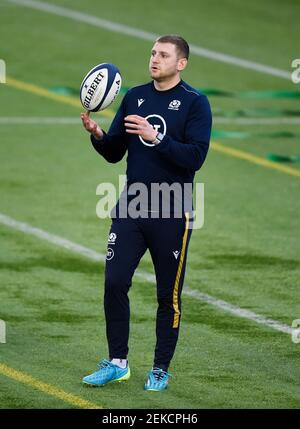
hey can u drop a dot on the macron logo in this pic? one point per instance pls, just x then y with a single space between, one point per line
176 254
140 101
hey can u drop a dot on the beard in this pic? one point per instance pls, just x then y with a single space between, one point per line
158 76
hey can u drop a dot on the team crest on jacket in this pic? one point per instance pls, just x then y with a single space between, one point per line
174 105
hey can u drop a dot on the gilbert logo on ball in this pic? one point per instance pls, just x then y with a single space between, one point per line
100 87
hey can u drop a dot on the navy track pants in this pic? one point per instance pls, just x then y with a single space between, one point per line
167 241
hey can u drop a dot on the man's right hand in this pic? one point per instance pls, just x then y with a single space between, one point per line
91 126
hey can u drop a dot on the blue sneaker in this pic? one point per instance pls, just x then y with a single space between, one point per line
157 380
107 373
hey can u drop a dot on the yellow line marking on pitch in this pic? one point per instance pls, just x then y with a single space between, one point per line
37 90
236 153
46 388
72 101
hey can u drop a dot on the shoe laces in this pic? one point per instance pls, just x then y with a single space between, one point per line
159 374
104 364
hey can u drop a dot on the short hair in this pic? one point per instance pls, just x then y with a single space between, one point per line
182 46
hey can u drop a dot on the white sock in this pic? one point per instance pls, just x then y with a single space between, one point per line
122 363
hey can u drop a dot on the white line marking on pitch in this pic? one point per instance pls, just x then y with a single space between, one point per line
257 121
144 35
96 256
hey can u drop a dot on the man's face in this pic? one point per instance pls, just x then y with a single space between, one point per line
164 62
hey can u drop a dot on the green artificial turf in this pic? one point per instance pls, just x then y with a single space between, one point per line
247 253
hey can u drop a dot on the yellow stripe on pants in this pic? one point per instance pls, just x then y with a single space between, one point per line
179 270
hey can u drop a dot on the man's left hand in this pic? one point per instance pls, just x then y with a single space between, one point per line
136 124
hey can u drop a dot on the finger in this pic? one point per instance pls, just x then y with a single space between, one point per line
84 121
132 121
130 117
133 131
134 118
131 125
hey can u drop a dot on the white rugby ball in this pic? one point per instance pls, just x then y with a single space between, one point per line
100 87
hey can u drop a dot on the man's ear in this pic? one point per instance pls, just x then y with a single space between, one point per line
182 64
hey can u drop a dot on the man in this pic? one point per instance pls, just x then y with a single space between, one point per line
165 127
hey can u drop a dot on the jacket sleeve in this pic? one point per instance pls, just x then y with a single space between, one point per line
113 146
192 152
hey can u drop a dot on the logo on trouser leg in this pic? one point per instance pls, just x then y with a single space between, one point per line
176 253
110 254
112 238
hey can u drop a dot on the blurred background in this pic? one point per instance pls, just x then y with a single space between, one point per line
247 253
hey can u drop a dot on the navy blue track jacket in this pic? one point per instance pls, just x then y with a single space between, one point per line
181 113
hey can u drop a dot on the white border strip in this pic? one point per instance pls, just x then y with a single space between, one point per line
95 256
144 35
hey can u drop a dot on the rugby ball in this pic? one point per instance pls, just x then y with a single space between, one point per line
100 87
